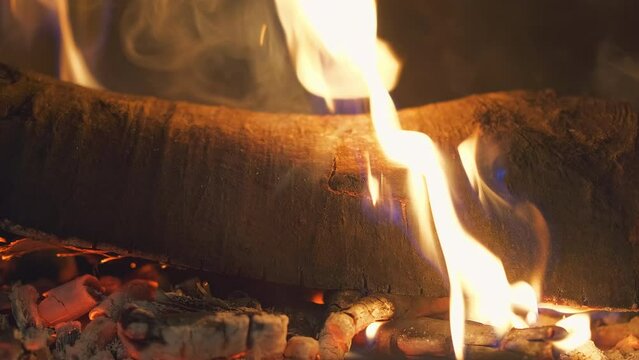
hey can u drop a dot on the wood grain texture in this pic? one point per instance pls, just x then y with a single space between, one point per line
282 197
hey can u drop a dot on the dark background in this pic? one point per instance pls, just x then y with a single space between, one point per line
449 49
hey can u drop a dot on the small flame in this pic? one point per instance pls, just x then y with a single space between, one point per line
321 35
578 328
263 34
371 331
373 182
72 65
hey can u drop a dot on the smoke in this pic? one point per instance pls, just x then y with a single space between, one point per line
214 51
616 75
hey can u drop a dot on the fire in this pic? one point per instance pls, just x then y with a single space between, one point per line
337 55
371 331
73 66
578 327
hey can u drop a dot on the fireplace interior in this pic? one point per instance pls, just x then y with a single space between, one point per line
299 179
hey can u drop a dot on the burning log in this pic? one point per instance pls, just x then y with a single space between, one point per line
230 190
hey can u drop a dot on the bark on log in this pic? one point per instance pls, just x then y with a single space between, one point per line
282 197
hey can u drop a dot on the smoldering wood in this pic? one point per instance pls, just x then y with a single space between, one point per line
424 336
302 348
282 197
150 331
24 308
340 327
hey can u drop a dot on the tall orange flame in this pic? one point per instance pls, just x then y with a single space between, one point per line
333 41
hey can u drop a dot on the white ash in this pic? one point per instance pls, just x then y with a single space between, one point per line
587 351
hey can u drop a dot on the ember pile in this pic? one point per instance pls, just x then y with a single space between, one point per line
69 305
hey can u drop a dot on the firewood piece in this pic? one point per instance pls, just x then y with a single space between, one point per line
71 300
302 348
66 335
267 336
10 348
340 327
628 344
337 300
25 312
607 336
207 336
93 340
25 307
229 190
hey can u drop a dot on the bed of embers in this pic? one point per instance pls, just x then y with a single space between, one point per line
70 303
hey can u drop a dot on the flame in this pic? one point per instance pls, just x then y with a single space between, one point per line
578 328
494 202
317 297
371 331
372 181
73 67
337 55
263 34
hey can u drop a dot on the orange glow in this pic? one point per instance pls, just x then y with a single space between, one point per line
318 298
371 331
133 265
3 240
109 258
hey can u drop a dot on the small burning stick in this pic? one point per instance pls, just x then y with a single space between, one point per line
341 326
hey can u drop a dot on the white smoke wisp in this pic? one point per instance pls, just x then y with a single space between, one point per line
229 52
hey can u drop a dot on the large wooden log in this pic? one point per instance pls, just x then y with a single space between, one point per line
282 197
